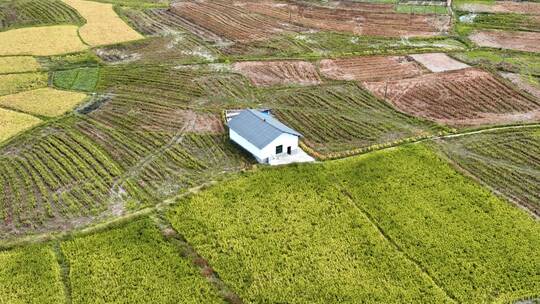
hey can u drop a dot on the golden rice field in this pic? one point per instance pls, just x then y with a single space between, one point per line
41 41
46 101
14 83
12 123
18 64
103 26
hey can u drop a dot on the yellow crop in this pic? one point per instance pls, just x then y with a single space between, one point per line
12 122
46 101
103 25
41 41
14 83
18 64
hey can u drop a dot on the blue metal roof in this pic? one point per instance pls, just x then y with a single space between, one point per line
258 128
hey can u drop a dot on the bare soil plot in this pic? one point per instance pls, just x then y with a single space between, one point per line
373 68
522 83
357 21
264 73
465 97
103 26
439 62
521 41
41 41
230 20
532 8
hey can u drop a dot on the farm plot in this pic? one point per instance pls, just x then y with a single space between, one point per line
372 68
310 244
507 161
18 64
14 83
269 73
43 102
230 20
30 275
506 60
133 264
512 22
320 240
467 97
527 84
360 22
81 79
524 7
41 41
12 123
337 118
103 26
23 13
521 41
439 62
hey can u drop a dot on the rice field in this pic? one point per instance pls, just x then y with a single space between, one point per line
12 123
80 79
41 41
18 64
43 102
103 26
392 226
26 13
30 275
15 83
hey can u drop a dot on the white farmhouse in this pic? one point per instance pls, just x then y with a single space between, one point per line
266 138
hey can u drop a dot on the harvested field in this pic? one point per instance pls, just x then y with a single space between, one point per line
12 123
41 41
506 160
355 21
521 41
523 84
18 64
15 83
467 97
103 26
336 118
24 13
44 102
230 20
521 7
373 68
439 62
269 73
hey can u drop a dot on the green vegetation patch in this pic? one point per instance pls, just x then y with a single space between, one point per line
22 13
133 264
138 3
421 9
15 83
309 233
30 275
517 62
505 160
81 79
510 21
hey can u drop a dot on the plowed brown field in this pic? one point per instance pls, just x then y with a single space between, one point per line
373 68
230 20
503 7
358 21
263 73
465 97
521 41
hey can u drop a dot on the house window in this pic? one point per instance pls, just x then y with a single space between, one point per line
279 149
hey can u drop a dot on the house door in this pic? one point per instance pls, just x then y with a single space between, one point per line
289 150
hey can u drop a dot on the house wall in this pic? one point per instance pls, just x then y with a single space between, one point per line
262 155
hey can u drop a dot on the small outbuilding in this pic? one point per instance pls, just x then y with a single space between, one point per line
265 137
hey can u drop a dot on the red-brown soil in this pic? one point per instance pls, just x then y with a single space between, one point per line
521 41
268 73
372 68
531 8
522 84
439 62
230 20
465 97
353 19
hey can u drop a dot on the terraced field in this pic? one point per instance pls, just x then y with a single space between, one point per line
24 13
466 97
279 72
507 161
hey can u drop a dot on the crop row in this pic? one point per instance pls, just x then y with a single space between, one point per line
20 13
